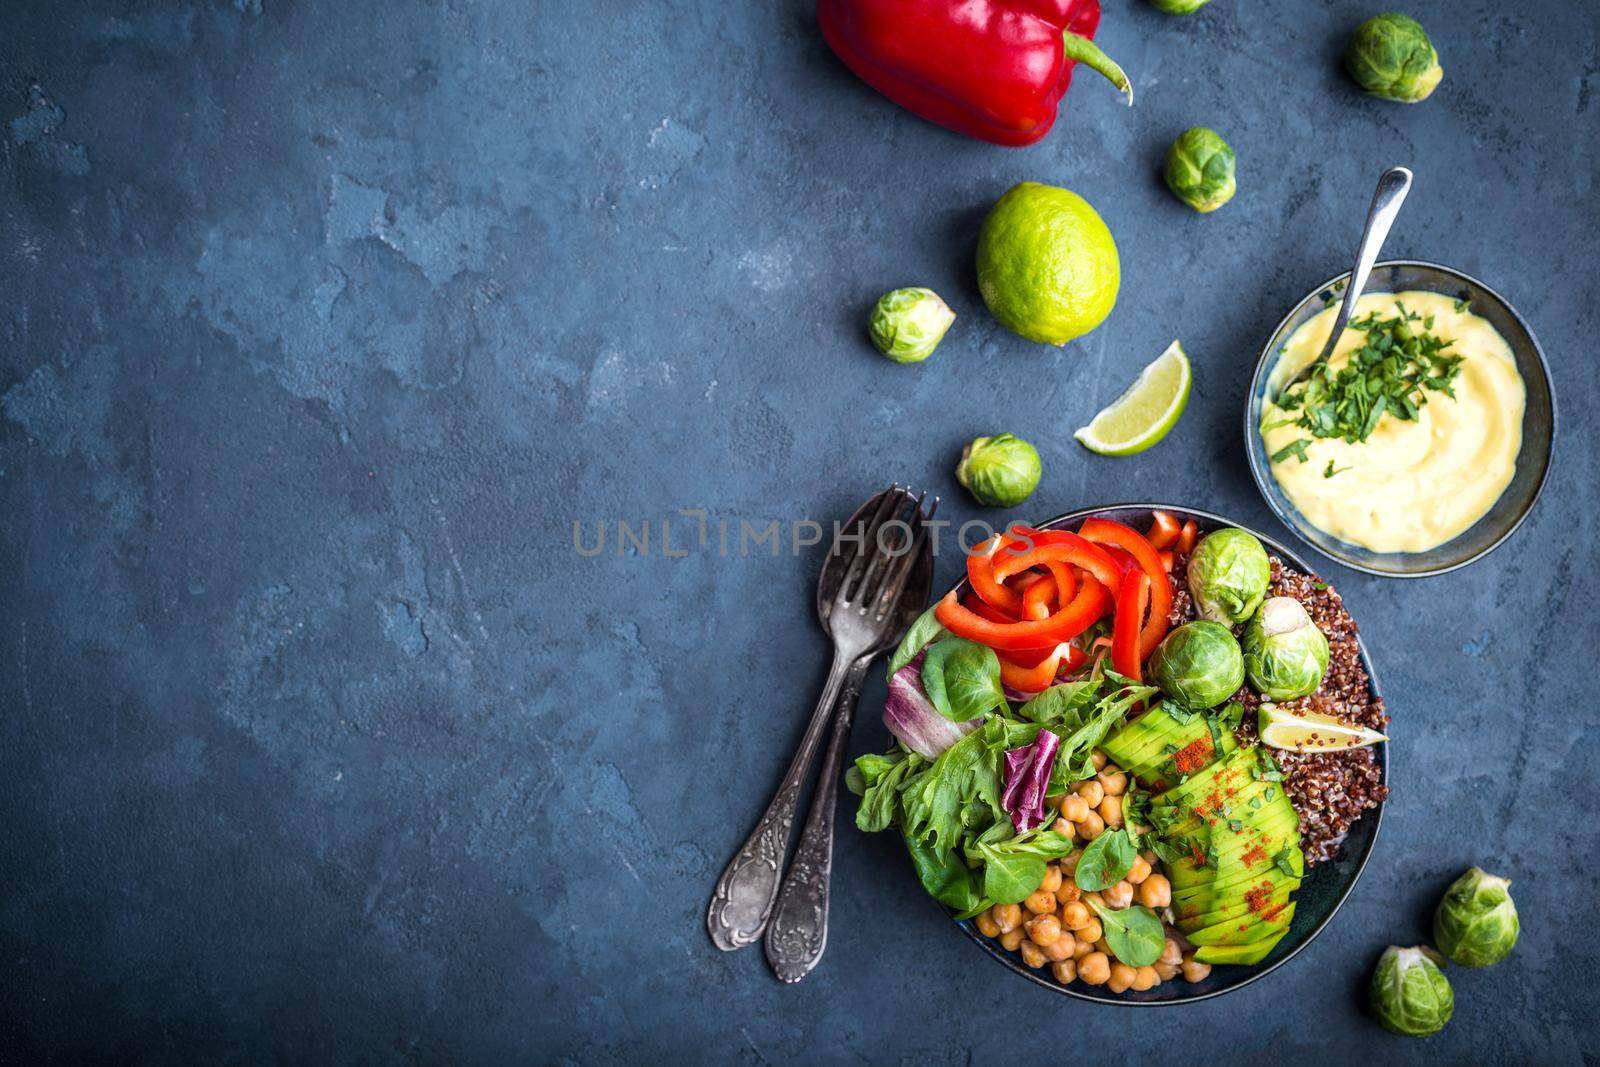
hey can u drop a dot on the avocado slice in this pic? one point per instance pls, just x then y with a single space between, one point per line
1145 747
1245 929
1269 891
1254 952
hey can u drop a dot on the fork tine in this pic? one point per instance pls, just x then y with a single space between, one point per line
890 496
878 554
894 582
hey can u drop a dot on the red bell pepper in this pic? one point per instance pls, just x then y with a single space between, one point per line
991 69
1107 532
1132 599
1039 599
1060 546
1040 676
1164 529
1187 539
1086 608
980 575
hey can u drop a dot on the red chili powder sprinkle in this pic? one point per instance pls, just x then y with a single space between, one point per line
1194 755
1257 898
1253 856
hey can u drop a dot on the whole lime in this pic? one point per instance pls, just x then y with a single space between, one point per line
1047 266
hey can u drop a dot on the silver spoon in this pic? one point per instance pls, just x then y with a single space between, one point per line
1393 185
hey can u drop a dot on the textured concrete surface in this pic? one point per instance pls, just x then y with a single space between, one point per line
323 323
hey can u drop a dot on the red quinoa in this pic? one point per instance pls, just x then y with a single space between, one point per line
1329 790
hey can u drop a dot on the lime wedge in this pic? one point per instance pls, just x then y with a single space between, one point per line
1307 731
1142 416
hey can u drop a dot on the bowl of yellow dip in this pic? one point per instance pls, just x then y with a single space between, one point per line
1424 442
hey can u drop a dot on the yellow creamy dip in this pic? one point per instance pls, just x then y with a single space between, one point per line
1412 484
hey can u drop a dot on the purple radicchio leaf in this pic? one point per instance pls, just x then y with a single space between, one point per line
914 721
1027 780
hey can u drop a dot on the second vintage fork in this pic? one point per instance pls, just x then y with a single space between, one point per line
862 619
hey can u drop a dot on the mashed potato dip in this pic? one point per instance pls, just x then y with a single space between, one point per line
1412 484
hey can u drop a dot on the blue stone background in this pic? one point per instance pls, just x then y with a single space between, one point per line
322 324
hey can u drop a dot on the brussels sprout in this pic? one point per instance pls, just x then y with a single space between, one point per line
1179 7
1228 576
1476 923
908 324
1409 994
1200 169
1001 471
1390 56
1285 654
1198 664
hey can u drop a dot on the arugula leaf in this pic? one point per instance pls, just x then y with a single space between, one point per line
1075 759
962 679
877 808
926 630
958 792
1106 861
1134 934
1063 704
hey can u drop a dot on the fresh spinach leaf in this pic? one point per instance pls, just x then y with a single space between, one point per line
962 679
1062 704
1013 868
923 632
1134 934
946 877
1106 861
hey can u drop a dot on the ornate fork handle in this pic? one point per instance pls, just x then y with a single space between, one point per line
799 929
742 901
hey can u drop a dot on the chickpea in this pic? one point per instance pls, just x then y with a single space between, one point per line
1167 971
1069 892
1074 807
1064 828
1065 971
1092 932
1172 954
1193 969
1103 945
1092 826
1060 949
1118 896
1006 916
1145 978
1032 955
1069 865
987 926
1122 977
1113 781
1081 948
1099 758
1092 794
1095 897
1110 811
1139 871
1012 939
1075 916
1094 969
1155 891
1052 879
1043 929
1040 902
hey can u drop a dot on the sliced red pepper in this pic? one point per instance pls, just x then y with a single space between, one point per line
1092 602
1039 599
1104 531
1167 559
1187 539
1066 581
1040 676
1060 546
1132 600
1164 530
989 611
980 574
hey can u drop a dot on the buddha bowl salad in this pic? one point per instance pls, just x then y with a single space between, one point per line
1118 752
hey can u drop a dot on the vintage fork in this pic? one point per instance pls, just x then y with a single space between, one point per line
798 932
862 620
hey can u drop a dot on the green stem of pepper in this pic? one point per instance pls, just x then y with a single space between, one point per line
1082 50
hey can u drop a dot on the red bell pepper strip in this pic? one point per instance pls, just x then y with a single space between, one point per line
1166 559
1106 532
989 611
991 590
1132 599
1164 530
1066 583
1188 538
1039 599
1040 676
1061 546
1086 608
991 69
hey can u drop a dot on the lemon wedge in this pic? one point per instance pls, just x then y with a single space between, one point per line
1307 731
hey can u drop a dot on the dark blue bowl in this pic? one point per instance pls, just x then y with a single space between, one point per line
1538 425
1320 895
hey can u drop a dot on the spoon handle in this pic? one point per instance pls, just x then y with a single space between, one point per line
1393 185
743 899
799 929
